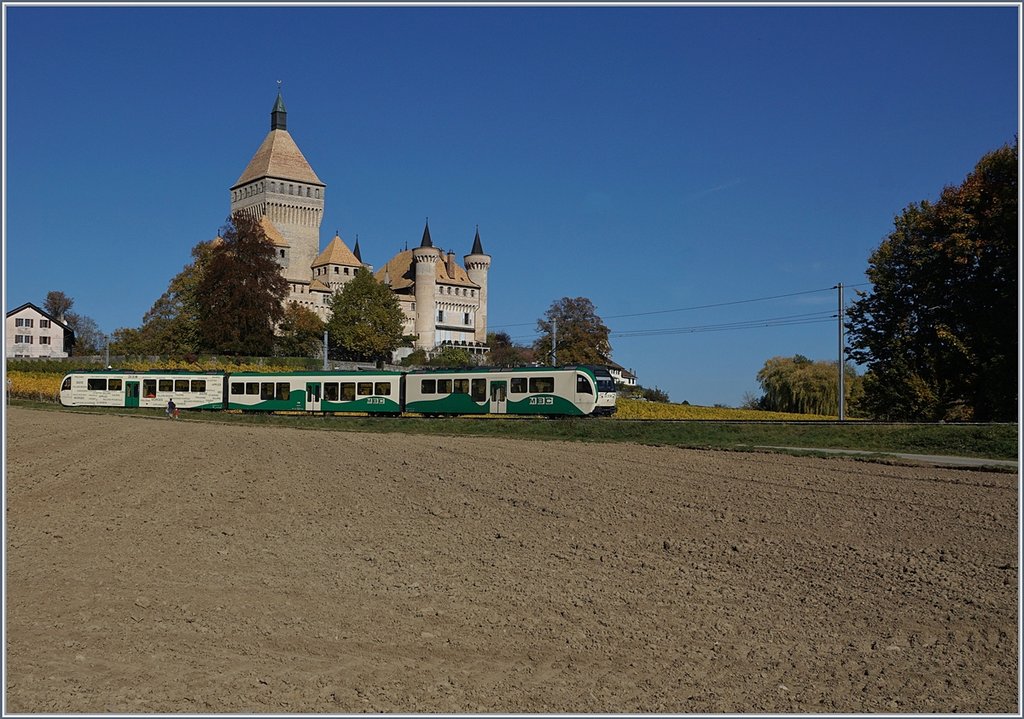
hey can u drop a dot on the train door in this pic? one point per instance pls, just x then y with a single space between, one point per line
586 395
498 396
313 396
131 394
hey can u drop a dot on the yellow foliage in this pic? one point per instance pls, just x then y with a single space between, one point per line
638 409
39 386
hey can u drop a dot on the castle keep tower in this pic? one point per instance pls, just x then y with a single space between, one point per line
280 185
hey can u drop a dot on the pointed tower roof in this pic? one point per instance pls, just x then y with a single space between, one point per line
355 250
336 253
279 116
478 249
278 156
273 234
426 236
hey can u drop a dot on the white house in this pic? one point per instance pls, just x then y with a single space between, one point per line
31 332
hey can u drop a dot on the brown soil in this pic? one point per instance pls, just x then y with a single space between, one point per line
162 566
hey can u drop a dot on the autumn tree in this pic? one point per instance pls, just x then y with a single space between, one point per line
579 335
451 357
504 352
300 333
938 330
803 386
366 320
57 304
239 294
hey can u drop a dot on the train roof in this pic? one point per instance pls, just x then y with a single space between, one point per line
162 372
443 370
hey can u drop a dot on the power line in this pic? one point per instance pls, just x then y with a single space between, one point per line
704 307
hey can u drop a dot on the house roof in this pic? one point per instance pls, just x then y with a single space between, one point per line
44 313
318 286
337 253
279 157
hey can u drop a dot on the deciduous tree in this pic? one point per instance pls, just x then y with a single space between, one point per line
57 304
800 385
300 333
240 292
366 320
938 329
505 353
582 337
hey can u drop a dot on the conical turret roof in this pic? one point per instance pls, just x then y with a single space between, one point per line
478 249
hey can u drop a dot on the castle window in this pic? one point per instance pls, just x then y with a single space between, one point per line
291 189
472 293
44 340
43 324
282 253
273 187
318 193
307 192
465 318
335 270
440 315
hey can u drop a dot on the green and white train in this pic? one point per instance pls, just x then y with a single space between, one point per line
579 391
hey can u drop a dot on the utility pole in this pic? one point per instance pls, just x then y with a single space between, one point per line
842 361
554 342
325 350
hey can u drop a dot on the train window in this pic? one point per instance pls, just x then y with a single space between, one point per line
542 384
252 387
444 386
267 390
428 386
479 393
238 388
149 388
284 390
517 385
181 385
66 385
365 389
97 383
166 385
348 391
114 384
331 391
583 385
460 386
199 385
383 388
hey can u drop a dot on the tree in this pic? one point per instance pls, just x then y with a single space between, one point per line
89 339
300 333
239 294
798 384
451 357
582 337
505 353
366 320
57 304
937 330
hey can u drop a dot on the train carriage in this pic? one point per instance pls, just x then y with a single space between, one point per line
325 391
565 391
124 388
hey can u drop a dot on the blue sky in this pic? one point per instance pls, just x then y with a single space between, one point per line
649 158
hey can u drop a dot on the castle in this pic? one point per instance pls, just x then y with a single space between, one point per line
443 303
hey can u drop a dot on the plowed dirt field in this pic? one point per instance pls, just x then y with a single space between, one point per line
182 566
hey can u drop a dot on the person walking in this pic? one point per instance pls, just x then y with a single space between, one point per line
172 409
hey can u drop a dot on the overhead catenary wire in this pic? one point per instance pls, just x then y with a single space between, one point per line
702 307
